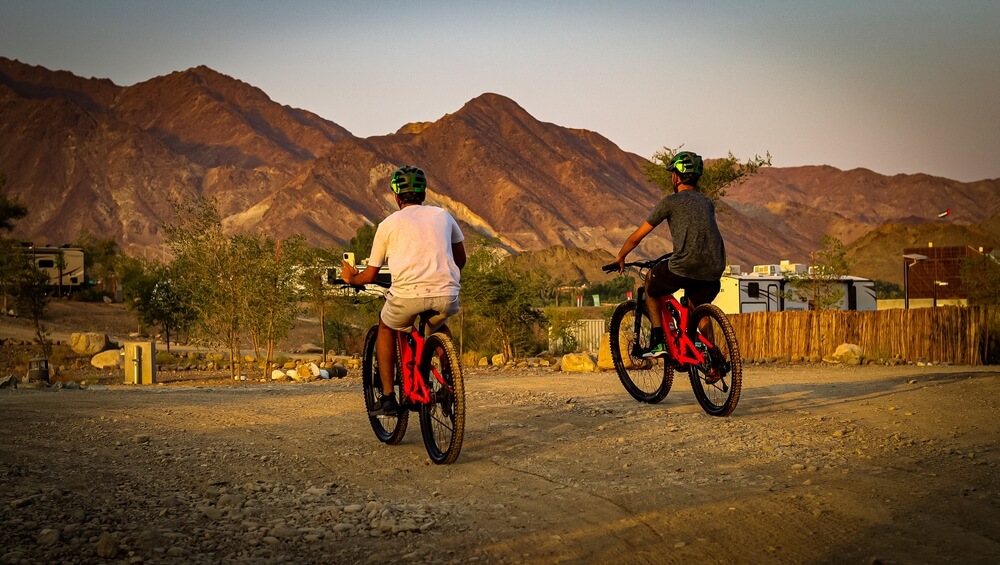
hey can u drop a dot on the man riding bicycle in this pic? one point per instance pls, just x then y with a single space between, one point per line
699 255
425 249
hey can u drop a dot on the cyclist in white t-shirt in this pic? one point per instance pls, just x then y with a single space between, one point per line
425 251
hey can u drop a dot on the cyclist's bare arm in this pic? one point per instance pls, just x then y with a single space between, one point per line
632 242
458 253
350 274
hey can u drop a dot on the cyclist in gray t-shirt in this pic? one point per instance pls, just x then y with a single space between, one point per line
699 255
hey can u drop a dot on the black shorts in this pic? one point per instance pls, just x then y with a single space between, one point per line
663 282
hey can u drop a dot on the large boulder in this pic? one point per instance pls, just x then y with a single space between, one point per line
578 363
107 359
846 354
91 343
604 360
498 360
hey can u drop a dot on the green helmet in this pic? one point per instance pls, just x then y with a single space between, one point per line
408 179
687 164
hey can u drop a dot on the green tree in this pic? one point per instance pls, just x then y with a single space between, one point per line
30 288
317 291
361 244
719 174
820 286
60 262
614 290
150 291
211 270
272 288
981 278
886 289
503 297
9 209
12 257
100 260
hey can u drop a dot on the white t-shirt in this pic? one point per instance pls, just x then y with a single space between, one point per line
417 242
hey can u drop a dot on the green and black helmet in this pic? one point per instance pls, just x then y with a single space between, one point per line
687 164
408 179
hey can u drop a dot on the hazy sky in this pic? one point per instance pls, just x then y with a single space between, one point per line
896 86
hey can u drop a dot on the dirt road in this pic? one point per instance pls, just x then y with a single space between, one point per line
817 465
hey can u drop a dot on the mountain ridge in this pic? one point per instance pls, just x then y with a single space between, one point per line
88 154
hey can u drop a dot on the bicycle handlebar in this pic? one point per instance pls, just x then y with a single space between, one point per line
648 264
359 287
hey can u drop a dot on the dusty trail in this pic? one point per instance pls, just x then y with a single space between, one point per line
817 465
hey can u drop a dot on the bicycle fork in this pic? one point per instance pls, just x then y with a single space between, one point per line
640 310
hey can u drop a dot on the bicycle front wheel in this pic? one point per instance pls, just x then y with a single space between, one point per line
442 421
717 382
647 380
388 429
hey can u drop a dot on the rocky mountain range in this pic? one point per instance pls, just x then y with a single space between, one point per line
84 153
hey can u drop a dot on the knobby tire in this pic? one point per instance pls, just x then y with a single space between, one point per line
716 388
388 429
442 422
646 380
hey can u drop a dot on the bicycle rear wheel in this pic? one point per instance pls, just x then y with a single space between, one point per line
388 429
717 383
647 380
442 421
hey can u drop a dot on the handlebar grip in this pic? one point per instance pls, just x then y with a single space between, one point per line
610 268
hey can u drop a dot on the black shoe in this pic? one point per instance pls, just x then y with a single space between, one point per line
387 406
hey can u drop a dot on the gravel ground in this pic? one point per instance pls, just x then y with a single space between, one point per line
818 464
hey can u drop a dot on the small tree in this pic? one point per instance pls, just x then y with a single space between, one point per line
502 296
30 288
60 261
820 286
151 292
272 289
101 260
9 209
316 291
981 278
210 269
719 174
361 244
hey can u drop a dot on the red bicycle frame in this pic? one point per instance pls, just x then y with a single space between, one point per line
411 350
675 319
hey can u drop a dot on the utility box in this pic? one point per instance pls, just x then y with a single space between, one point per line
38 370
140 362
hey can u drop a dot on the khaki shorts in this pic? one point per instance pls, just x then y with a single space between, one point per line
400 313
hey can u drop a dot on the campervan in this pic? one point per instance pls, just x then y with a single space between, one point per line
767 290
69 269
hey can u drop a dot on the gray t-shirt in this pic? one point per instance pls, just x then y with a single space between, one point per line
699 252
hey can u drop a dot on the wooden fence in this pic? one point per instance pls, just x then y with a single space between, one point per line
951 334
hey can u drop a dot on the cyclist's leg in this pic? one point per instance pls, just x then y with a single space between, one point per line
702 292
385 350
397 315
659 283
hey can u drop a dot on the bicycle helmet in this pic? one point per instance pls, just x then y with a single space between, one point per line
686 164
408 179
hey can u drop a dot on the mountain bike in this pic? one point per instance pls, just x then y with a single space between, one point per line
428 380
699 340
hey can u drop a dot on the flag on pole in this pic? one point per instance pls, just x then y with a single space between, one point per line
944 213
